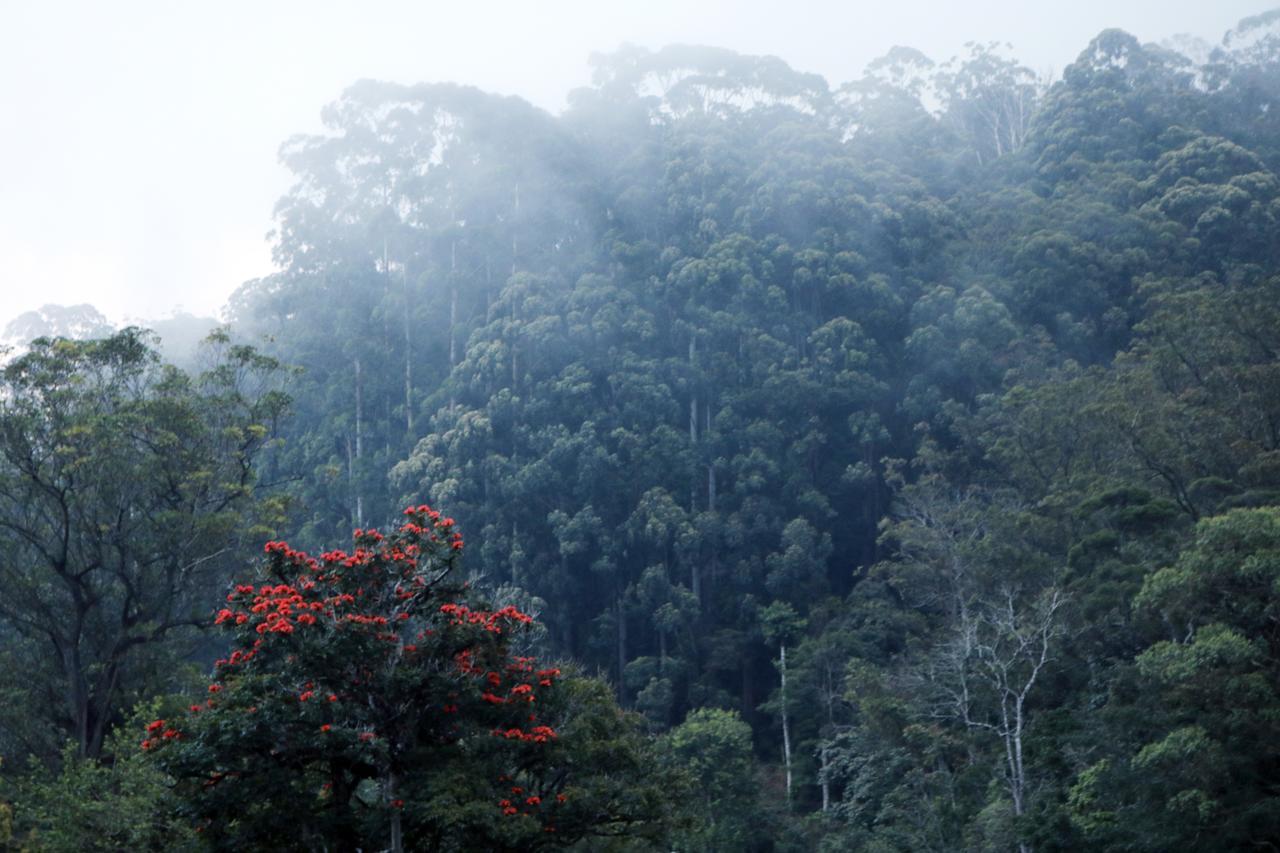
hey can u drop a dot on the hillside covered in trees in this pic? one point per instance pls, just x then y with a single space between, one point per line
905 454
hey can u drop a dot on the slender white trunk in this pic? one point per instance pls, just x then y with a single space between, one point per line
359 451
693 424
786 723
622 647
826 783
453 311
359 409
453 303
408 356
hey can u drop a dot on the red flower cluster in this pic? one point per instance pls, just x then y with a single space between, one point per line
512 804
538 734
460 614
157 733
358 629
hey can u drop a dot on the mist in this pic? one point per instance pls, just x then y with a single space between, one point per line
140 162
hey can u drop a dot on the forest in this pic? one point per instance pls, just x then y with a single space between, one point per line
883 466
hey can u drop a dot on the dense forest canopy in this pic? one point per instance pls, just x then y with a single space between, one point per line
906 453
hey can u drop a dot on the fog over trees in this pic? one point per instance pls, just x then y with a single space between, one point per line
888 466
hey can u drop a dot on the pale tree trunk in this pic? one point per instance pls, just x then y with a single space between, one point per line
515 350
693 422
622 648
351 478
695 563
516 574
713 569
824 780
408 357
711 467
453 303
786 722
1001 651
693 443
515 236
453 312
696 566
359 449
515 263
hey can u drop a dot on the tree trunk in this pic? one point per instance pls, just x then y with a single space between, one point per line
711 468
408 358
711 490
453 303
77 695
693 421
397 832
622 648
823 780
693 448
359 449
1017 771
515 539
99 710
515 237
344 836
786 723
515 376
351 467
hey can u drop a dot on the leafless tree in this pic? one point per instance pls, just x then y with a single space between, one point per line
985 674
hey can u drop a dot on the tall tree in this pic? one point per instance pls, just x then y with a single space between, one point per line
124 487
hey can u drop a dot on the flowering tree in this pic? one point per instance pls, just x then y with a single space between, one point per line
369 702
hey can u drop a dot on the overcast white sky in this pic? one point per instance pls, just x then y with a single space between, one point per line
138 139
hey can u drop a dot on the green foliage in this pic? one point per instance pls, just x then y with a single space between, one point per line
121 802
123 485
370 698
714 748
1197 772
